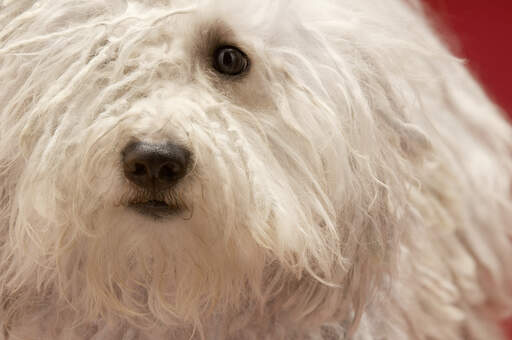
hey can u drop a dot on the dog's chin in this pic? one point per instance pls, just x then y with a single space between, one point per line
156 209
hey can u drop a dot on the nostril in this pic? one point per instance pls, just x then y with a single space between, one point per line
139 170
170 171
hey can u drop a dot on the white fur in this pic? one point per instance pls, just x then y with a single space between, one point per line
355 184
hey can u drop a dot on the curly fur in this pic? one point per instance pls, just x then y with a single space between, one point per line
354 184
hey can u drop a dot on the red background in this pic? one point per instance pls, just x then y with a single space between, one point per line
481 32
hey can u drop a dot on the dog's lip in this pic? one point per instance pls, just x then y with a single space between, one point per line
155 208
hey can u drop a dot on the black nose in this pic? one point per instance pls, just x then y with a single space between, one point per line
155 166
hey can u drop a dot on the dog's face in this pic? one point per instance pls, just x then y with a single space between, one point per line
172 157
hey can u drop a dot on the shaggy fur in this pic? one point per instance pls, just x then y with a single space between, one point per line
354 184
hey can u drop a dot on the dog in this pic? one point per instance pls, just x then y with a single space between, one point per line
242 170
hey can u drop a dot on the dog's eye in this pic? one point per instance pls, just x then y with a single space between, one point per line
230 60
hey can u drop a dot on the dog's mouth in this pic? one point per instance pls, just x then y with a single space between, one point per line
156 208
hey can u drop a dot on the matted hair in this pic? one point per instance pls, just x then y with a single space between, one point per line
355 183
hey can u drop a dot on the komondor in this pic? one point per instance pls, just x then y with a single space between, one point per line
246 170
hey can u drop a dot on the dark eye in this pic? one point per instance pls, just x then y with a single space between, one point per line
230 60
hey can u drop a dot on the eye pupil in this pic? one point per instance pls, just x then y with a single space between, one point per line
230 61
227 59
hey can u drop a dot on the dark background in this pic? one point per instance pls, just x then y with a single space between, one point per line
481 32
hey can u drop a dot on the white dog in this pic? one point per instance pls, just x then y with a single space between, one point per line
246 170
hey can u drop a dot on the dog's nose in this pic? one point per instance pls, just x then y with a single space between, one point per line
155 166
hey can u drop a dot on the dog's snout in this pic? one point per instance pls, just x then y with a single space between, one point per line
155 166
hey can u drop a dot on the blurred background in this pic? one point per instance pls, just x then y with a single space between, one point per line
481 32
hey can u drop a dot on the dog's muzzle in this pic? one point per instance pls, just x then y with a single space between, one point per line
155 169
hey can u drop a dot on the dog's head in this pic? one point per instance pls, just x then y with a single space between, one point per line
163 159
